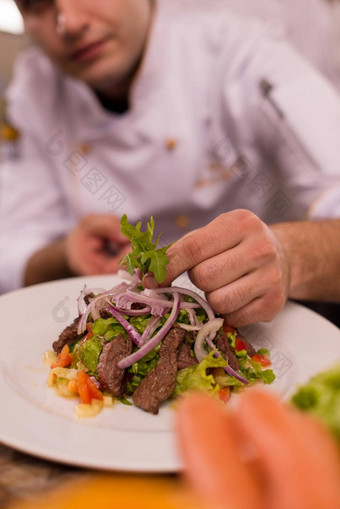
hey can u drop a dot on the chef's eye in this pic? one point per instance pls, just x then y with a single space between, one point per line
35 5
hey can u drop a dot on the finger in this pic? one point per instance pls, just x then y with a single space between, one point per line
236 295
254 253
104 225
263 282
299 459
222 269
208 444
149 281
224 233
261 309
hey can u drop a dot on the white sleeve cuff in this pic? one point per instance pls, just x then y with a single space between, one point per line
327 205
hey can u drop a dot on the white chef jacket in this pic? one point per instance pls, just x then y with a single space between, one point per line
223 115
312 26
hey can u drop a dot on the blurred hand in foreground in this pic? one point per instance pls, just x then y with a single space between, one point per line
238 262
96 245
263 454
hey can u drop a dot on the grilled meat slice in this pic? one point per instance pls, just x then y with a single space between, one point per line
160 382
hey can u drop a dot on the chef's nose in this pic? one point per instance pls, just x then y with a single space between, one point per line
72 19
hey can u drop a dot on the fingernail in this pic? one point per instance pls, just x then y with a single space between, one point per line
149 282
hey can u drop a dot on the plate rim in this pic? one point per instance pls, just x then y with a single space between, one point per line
54 455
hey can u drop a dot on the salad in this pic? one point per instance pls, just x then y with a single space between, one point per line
320 396
145 347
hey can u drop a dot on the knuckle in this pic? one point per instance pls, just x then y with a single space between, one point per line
203 276
193 251
277 278
265 251
248 315
217 304
199 278
275 282
234 264
241 217
222 303
223 218
247 218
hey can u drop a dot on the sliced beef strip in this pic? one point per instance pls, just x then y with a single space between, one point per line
67 337
88 298
185 359
137 306
250 349
160 382
222 344
105 314
109 374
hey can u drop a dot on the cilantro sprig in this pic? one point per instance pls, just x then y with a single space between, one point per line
145 255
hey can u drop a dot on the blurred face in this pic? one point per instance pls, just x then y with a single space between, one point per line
98 41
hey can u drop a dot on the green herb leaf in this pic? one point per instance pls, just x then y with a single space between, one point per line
125 401
145 255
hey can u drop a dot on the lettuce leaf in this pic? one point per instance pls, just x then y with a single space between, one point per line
321 398
254 372
89 353
140 322
196 377
108 328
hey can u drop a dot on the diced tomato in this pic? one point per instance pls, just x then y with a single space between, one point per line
64 358
73 386
262 359
240 345
84 391
87 389
54 378
89 327
228 328
224 394
94 391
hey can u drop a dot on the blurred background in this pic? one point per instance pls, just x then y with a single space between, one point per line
12 39
312 26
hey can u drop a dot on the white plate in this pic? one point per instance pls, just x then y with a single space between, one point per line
35 420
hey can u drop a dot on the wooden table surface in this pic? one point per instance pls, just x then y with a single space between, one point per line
31 483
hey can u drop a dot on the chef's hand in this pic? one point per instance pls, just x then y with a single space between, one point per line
96 245
240 265
294 462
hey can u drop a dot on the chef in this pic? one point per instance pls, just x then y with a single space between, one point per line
312 26
181 110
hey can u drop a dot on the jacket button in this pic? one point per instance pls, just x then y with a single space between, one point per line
182 221
84 148
171 144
